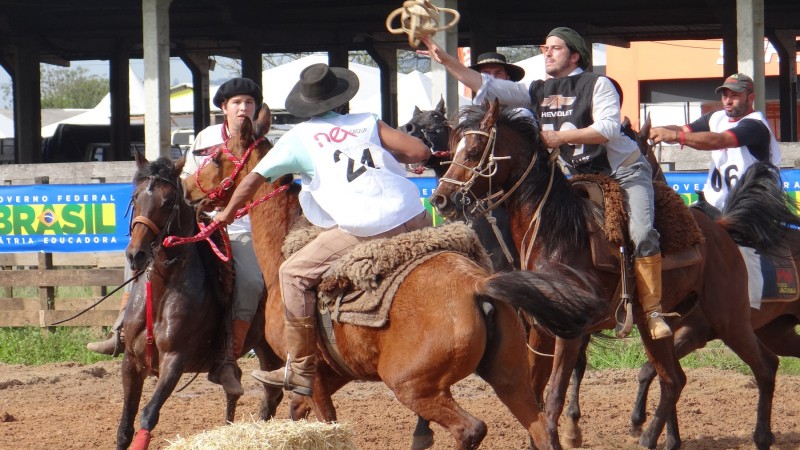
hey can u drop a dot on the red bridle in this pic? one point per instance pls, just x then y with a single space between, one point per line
221 192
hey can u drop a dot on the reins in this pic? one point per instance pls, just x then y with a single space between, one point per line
82 312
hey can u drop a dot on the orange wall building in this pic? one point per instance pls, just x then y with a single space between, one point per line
679 65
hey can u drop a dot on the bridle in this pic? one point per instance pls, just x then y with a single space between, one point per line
221 192
158 233
486 168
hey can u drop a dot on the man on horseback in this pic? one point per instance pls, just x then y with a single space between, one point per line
580 117
354 186
736 136
239 98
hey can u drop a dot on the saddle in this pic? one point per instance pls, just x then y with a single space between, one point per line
608 223
780 279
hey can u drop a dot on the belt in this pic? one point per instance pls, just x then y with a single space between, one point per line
632 158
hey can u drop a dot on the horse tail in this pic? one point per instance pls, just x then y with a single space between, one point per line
554 301
757 212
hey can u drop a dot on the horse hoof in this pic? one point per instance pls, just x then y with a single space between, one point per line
635 431
421 442
573 437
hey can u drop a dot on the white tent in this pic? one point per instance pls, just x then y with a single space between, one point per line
534 69
101 114
6 127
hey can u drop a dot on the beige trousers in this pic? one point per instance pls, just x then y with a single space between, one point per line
302 271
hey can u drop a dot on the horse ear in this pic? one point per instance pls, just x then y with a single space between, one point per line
245 133
417 111
141 161
643 135
440 106
263 121
180 163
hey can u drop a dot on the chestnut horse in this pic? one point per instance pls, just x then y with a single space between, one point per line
187 308
434 337
503 151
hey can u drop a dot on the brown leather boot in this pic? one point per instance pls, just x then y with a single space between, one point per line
301 365
113 345
648 283
229 373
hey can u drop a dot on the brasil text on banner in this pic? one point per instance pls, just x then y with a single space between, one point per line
92 217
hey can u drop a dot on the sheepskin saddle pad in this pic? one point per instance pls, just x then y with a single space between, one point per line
678 230
359 287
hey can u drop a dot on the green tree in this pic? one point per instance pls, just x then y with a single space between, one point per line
63 87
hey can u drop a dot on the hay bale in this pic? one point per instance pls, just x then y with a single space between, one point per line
273 434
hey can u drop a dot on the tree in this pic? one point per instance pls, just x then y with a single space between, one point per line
63 87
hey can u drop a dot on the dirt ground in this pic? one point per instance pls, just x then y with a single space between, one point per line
73 406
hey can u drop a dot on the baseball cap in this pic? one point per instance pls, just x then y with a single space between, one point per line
737 82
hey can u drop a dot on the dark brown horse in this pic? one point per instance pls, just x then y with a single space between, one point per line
434 337
188 290
504 151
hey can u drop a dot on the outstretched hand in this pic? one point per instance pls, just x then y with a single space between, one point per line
661 134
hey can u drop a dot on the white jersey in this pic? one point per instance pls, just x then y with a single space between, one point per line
728 165
357 184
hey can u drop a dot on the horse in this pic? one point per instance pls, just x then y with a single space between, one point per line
501 150
433 337
180 330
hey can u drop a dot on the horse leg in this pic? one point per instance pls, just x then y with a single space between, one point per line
511 381
764 365
423 435
564 359
326 383
672 379
170 373
572 430
540 357
268 360
132 383
690 334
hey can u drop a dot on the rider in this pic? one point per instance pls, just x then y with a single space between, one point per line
238 98
737 137
354 186
579 113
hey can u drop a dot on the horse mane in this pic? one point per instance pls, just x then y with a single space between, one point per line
162 167
563 228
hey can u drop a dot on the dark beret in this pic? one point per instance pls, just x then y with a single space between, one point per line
238 86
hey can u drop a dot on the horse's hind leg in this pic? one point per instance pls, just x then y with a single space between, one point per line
780 336
501 367
672 379
764 365
572 430
268 360
132 382
441 408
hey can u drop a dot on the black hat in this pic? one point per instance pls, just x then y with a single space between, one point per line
238 86
321 88
737 82
515 73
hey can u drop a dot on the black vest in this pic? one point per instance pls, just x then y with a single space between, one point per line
564 104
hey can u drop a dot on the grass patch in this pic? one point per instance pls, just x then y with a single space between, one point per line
607 352
36 346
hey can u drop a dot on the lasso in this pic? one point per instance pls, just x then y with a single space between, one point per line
420 18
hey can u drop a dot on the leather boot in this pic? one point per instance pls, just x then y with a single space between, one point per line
301 364
648 283
113 345
229 373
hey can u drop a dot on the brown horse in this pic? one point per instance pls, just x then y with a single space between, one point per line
188 290
504 151
434 337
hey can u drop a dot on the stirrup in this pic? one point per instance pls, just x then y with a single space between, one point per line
301 390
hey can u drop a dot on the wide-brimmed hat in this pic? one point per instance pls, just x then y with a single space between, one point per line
321 88
238 86
515 73
737 82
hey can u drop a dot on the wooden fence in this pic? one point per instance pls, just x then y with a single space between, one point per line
46 272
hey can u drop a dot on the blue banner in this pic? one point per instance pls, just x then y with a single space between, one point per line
91 217
64 218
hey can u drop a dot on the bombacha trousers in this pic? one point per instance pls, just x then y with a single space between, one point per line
636 181
249 288
303 270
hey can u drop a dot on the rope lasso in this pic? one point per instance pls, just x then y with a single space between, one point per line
207 230
420 18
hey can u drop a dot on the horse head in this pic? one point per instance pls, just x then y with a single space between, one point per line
486 164
217 176
432 128
159 208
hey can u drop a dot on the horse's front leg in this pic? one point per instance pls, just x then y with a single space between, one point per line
572 430
132 382
639 414
326 383
268 360
672 379
564 360
170 371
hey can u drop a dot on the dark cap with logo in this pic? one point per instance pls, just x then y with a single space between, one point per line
737 82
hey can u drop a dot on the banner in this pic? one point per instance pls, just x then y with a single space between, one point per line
64 218
92 217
